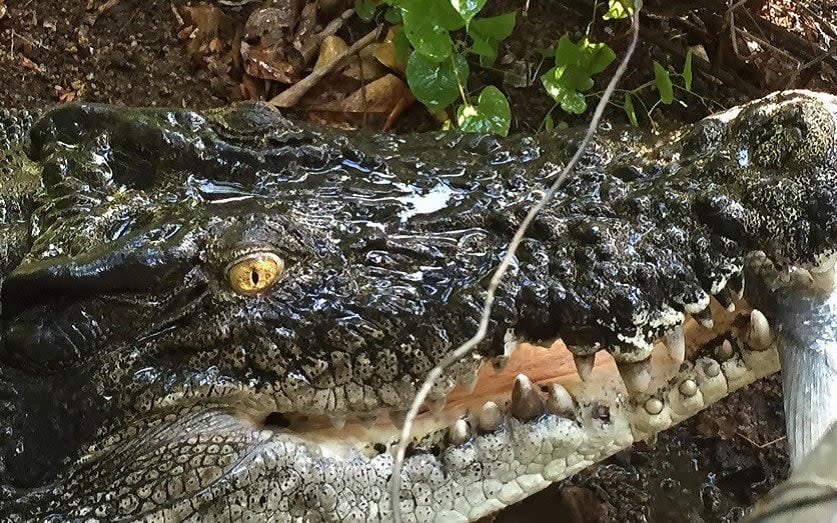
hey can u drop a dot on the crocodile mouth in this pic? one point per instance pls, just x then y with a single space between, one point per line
533 381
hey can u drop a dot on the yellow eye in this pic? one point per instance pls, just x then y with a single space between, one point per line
255 272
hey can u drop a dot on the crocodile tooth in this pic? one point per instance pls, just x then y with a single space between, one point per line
367 420
724 351
637 376
758 335
704 317
584 365
560 401
397 417
712 368
736 284
676 343
726 300
489 417
653 406
338 421
468 382
688 388
458 433
801 277
526 404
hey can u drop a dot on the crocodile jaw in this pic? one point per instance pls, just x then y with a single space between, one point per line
228 464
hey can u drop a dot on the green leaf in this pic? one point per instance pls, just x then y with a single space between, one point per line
617 9
491 114
629 110
574 103
436 84
548 123
497 27
687 71
663 82
442 10
401 45
393 16
575 64
426 35
487 33
365 9
467 9
599 56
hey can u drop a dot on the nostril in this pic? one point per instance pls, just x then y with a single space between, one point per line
276 420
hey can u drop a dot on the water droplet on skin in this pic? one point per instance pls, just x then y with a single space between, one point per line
743 157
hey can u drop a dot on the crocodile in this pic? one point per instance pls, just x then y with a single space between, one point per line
223 315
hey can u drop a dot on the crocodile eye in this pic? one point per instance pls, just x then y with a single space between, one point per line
255 272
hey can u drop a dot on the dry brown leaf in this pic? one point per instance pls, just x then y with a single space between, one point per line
385 52
29 64
270 48
209 23
365 69
377 104
331 48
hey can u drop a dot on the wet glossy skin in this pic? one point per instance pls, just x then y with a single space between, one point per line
117 302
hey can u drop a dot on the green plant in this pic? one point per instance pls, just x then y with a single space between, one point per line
435 39
576 63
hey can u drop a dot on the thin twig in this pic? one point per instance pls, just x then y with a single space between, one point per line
107 6
508 258
760 445
291 96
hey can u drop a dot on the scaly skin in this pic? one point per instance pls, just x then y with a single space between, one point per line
138 383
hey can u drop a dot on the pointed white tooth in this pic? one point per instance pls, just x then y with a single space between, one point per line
676 343
338 421
560 401
653 406
704 317
526 404
712 368
489 417
688 388
468 382
724 351
367 420
758 334
397 418
637 376
584 365
459 433
435 405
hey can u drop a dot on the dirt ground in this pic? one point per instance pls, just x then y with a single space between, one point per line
711 468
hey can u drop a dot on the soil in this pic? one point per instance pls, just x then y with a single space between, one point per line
710 468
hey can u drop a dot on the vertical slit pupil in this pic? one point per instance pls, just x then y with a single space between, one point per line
254 276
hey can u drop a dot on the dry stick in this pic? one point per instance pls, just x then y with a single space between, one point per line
312 44
290 96
465 348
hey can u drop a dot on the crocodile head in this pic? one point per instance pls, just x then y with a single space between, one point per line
223 315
